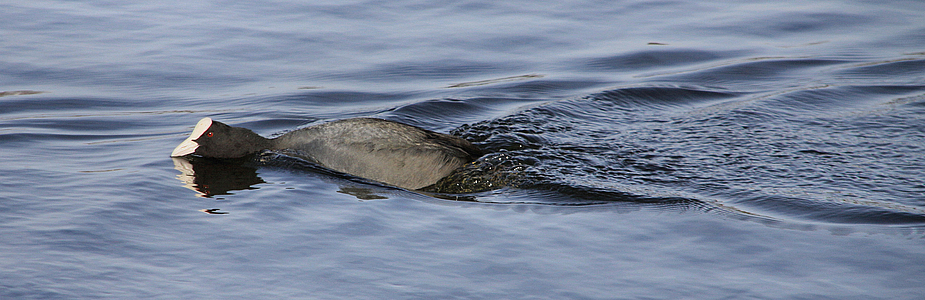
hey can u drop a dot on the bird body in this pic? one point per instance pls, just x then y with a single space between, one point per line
390 152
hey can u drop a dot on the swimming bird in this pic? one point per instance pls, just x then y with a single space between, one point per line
389 152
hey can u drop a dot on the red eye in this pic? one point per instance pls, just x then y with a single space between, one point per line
209 134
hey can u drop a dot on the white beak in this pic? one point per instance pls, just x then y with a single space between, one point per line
188 146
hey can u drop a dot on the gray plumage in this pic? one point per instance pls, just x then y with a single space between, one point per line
386 151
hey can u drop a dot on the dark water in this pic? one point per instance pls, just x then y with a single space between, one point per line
635 150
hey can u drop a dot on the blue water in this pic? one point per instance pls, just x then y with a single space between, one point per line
636 150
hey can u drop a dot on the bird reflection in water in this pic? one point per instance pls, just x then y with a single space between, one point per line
361 193
210 178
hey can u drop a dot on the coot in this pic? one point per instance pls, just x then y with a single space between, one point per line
390 152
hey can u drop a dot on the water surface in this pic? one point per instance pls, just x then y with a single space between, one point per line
636 149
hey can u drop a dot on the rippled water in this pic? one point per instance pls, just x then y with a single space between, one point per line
635 150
